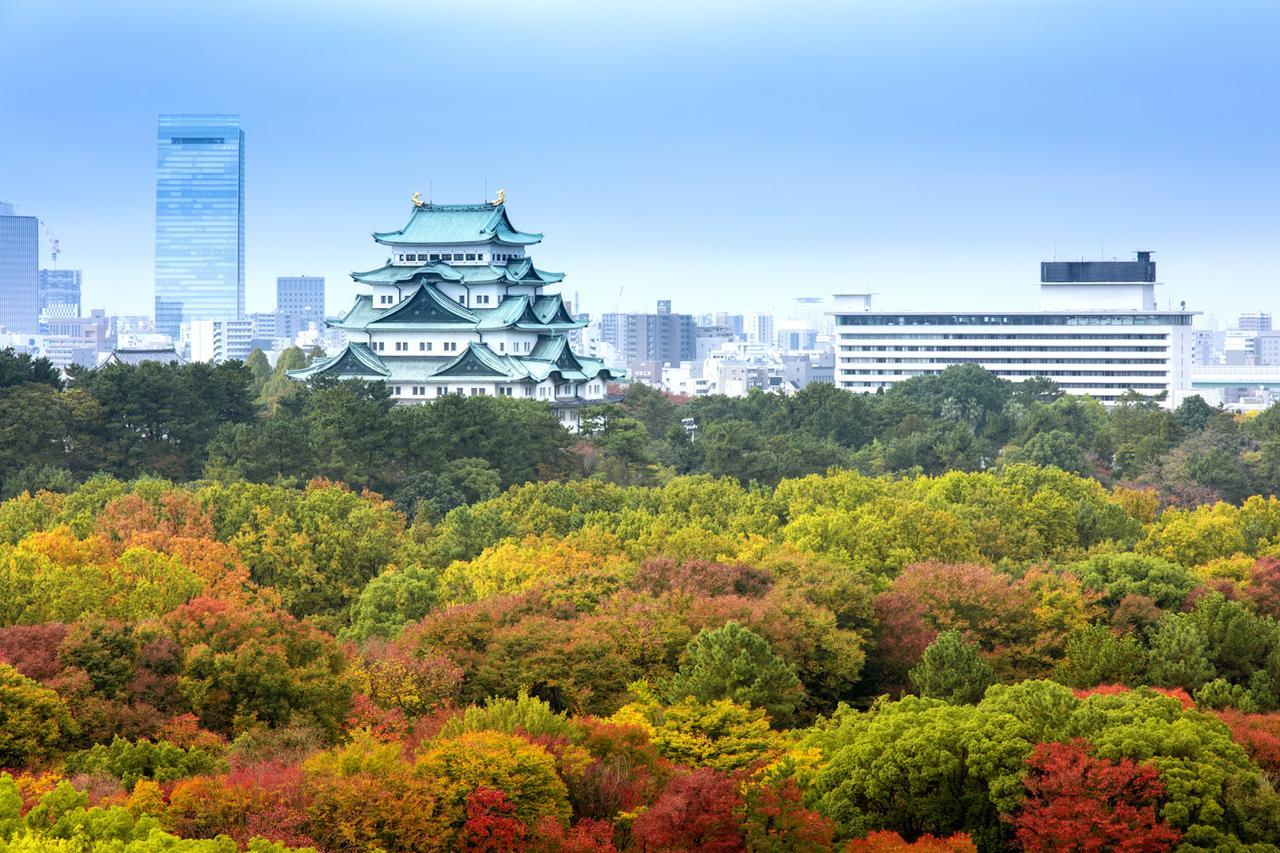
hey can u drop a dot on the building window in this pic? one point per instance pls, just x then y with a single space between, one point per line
428 346
422 346
506 392
435 257
462 299
395 390
502 347
402 257
471 256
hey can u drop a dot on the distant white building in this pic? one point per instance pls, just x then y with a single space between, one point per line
1098 333
219 340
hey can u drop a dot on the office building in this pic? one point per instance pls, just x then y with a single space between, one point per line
662 337
219 340
758 328
1255 321
58 292
199 220
299 302
19 260
1098 334
459 308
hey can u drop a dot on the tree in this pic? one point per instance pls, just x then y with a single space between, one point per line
17 368
1096 655
1179 654
720 734
1057 447
732 662
524 772
697 811
260 368
1118 575
491 826
34 722
393 599
952 670
1078 802
246 664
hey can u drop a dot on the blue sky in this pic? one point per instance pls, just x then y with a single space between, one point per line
726 155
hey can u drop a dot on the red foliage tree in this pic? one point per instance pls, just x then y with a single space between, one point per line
902 638
492 826
697 811
1263 590
33 649
1078 802
663 574
888 841
585 836
1111 689
1259 734
775 819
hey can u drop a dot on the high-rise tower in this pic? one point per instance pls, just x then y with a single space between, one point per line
199 220
19 258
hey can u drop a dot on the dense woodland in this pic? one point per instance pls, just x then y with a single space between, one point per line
237 421
237 613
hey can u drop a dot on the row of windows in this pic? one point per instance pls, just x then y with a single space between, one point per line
503 390
446 346
496 257
919 360
975 348
955 336
481 299
1105 398
1054 374
1013 320
423 346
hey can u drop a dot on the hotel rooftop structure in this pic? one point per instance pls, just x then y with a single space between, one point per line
1098 333
459 308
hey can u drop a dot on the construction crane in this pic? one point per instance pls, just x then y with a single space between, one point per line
54 250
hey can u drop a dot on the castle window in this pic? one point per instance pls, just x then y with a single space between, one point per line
435 257
471 256
395 390
422 346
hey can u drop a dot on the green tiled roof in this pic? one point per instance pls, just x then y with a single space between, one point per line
434 311
477 361
427 305
517 272
453 224
355 360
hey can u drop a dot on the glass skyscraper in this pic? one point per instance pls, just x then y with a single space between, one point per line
199 220
19 257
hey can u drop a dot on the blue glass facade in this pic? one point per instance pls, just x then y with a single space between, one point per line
199 220
19 257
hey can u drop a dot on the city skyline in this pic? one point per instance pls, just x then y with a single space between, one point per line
967 143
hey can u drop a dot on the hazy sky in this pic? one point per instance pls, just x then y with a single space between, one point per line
726 155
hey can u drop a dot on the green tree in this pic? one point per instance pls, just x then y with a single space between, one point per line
1179 654
952 670
732 662
17 368
1096 655
392 600
34 723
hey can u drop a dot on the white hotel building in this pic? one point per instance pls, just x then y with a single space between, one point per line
1098 334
